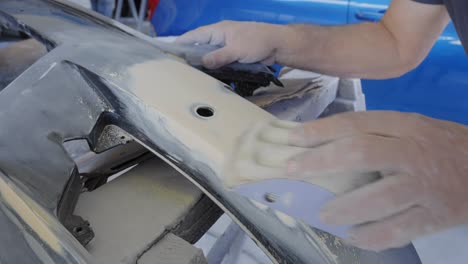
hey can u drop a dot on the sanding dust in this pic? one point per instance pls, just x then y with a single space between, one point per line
320 242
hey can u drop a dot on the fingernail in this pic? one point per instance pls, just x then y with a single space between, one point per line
209 63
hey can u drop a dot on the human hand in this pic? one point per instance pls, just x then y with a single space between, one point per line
423 164
245 42
424 168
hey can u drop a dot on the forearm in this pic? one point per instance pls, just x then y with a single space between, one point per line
395 45
389 48
367 50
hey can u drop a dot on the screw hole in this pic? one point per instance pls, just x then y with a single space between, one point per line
78 229
270 197
204 111
122 137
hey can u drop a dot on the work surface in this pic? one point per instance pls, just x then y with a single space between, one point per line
105 97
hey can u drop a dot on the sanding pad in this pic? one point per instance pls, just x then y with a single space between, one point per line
300 200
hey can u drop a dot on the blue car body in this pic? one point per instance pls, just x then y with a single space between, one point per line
438 87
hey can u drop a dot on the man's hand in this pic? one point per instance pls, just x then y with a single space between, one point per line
423 161
395 45
246 42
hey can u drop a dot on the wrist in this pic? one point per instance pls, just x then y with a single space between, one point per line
294 43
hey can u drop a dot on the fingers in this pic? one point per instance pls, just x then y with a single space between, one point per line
203 35
220 58
371 202
262 153
213 35
245 42
277 132
366 153
395 231
381 123
227 55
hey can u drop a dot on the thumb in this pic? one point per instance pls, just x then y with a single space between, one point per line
220 57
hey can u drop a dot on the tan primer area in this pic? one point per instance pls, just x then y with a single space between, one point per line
183 89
